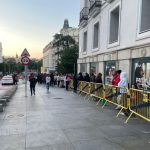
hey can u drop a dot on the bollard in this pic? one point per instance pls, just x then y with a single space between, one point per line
3 102
6 97
1 108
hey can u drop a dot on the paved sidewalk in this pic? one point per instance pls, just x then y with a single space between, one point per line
62 120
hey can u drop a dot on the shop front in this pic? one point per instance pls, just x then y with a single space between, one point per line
141 72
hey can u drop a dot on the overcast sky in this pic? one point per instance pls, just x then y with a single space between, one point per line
31 24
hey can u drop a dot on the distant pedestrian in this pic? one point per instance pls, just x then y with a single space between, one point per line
32 81
48 79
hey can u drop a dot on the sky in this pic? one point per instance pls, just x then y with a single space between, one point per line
31 24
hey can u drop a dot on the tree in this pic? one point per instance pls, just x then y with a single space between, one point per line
68 60
67 52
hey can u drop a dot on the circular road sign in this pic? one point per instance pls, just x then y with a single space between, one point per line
25 61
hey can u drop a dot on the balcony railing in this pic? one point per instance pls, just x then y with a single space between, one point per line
84 14
94 4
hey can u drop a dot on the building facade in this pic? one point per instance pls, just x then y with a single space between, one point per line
1 54
51 52
114 34
48 59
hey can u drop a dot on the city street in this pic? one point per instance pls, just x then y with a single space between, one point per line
61 120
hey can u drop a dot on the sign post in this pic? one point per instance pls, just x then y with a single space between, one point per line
25 61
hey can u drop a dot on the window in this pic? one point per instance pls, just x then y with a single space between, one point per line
96 35
85 41
114 25
110 67
83 68
141 72
145 16
93 67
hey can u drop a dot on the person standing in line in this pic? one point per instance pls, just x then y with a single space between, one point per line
99 78
75 83
32 81
67 79
123 87
48 79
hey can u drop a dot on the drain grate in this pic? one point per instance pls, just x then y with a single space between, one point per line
57 98
15 116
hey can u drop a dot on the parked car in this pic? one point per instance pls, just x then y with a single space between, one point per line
7 80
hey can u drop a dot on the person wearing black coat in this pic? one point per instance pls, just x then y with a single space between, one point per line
99 78
87 77
80 77
32 81
75 83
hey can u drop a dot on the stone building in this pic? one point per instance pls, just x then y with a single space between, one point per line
50 52
114 34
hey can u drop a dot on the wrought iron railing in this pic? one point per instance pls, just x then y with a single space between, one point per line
94 4
84 14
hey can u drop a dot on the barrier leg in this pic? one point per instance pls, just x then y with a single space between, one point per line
98 103
85 96
119 112
80 93
129 117
104 104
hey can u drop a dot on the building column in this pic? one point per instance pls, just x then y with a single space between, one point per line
125 66
79 68
88 67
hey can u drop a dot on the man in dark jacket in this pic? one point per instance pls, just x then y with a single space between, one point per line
32 81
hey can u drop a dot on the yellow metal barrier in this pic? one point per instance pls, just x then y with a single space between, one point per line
139 104
136 101
79 88
85 88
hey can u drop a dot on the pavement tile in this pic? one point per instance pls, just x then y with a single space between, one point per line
79 134
45 138
97 145
43 122
12 142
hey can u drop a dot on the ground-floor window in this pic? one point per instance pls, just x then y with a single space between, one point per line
141 72
110 67
83 67
94 68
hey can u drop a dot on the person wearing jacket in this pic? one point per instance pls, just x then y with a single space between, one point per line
99 78
123 87
116 78
32 81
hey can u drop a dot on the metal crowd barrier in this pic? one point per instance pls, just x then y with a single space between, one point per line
134 101
85 88
139 104
79 88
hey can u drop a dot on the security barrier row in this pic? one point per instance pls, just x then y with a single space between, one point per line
130 100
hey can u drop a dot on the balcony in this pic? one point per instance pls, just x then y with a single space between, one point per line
95 7
84 14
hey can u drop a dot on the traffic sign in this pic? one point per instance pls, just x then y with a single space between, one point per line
25 53
25 60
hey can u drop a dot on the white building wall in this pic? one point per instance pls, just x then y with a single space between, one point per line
128 28
130 45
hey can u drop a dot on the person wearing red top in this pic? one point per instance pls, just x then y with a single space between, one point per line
116 78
